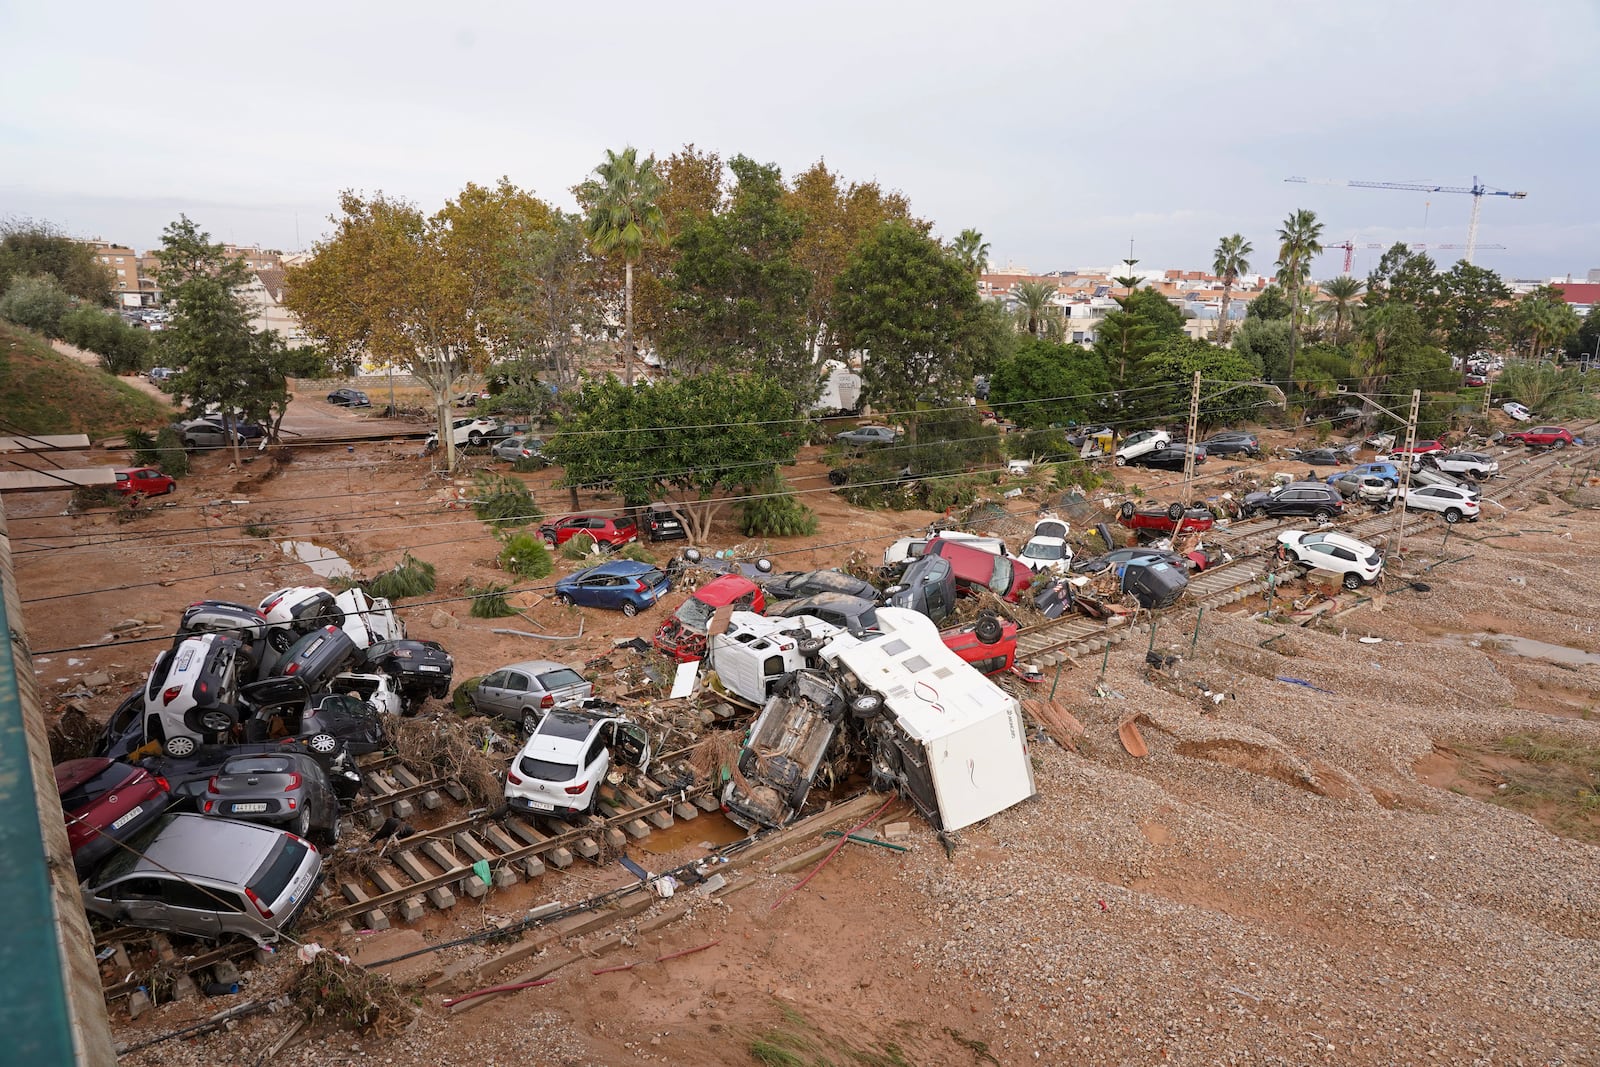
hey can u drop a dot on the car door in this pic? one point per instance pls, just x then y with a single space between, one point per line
602 590
519 689
192 909
628 742
490 696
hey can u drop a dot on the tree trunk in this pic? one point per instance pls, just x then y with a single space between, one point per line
230 426
627 323
1222 326
1294 329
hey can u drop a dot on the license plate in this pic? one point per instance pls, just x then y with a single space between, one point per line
539 805
426 667
129 817
241 809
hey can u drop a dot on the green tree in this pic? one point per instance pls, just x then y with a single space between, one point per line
1406 277
36 302
552 301
1299 239
1476 306
972 250
625 218
1544 322
1231 259
912 309
695 443
1174 364
691 189
1265 342
739 298
122 349
1035 303
29 248
1344 297
1269 304
1143 322
1585 344
223 361
1323 367
1044 383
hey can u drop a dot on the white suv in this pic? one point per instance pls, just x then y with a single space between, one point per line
474 432
1358 562
1135 445
1453 502
560 769
1474 465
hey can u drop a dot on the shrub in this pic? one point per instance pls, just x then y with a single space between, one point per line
525 555
409 577
460 699
638 553
775 512
942 494
580 546
489 601
503 501
163 451
36 302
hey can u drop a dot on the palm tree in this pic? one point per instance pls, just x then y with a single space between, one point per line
1299 239
1034 300
1344 296
624 217
1229 264
972 250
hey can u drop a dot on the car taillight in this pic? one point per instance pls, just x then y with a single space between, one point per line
640 587
547 701
207 806
269 605
170 695
577 790
166 786
266 912
511 776
211 786
291 669
294 783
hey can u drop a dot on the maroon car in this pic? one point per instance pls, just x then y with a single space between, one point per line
1166 520
106 802
1543 437
976 569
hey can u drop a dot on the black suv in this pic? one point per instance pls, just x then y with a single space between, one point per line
662 525
1233 442
1317 499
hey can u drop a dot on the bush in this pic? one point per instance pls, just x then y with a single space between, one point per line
580 546
164 451
638 553
525 556
36 302
409 577
942 494
776 513
503 501
122 348
461 698
489 601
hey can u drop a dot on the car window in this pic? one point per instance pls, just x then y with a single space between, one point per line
560 678
497 680
274 876
180 894
545 770
136 889
109 778
515 680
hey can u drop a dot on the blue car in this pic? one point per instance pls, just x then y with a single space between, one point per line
622 585
1387 471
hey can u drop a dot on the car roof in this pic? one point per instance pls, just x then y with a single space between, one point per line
616 566
194 846
843 601
724 589
535 666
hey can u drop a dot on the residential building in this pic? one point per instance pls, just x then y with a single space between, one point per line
265 292
1580 296
123 263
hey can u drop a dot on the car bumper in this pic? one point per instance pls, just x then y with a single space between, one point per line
530 806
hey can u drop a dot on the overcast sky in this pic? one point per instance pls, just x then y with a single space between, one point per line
1058 130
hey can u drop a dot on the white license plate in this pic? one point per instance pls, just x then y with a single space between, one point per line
241 809
132 814
539 805
426 667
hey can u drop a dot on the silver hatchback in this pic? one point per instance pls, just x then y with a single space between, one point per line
188 874
523 692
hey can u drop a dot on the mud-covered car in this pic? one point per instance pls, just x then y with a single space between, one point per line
792 585
1152 580
784 749
420 669
683 634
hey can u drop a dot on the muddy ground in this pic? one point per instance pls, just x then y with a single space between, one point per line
1390 863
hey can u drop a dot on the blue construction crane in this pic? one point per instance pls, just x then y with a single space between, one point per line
1477 190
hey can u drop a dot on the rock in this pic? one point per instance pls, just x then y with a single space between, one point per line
96 680
442 620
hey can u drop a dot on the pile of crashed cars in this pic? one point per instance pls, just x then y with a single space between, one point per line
215 784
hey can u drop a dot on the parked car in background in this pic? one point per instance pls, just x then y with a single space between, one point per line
522 692
683 634
349 398
420 669
1318 500
106 803
473 432
189 874
1543 437
622 585
145 481
790 585
287 789
1356 562
976 569
519 449
159 375
204 433
1517 411
1135 445
863 436
1233 443
1475 381
1454 503
607 532
565 760
661 523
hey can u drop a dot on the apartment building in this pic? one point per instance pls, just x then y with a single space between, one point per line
123 263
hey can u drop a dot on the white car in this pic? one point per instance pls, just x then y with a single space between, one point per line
1453 502
1357 562
561 768
1474 465
377 690
1516 411
1048 548
298 610
474 432
1136 445
909 548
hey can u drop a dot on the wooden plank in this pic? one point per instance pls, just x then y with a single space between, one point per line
45 442
55 481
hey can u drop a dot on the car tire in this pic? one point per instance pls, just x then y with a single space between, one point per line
1127 509
190 444
475 439
1477 476
1120 461
1452 515
867 706
550 542
989 630
1352 581
323 744
1322 515
180 747
302 824
1175 511
214 720
1258 513
530 721
171 487
1558 443
563 599
629 608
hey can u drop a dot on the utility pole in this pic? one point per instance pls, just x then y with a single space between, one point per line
1405 472
1191 443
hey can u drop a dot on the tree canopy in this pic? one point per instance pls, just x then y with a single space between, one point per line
32 248
1044 383
1174 365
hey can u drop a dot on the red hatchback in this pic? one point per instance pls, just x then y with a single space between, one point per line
106 802
606 531
1543 437
976 569
146 481
683 634
1421 448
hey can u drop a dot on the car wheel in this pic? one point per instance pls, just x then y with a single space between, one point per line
215 720
550 542
322 744
189 443
564 600
1258 513
302 825
989 630
171 487
866 706
629 609
475 439
180 747
530 721
1558 443
1175 511
1120 461
837 477
1322 515
1352 580
1127 509
1452 516
1477 476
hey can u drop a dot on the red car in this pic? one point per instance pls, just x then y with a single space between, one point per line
1170 519
104 803
1543 437
146 481
976 569
683 634
1421 448
613 533
990 644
